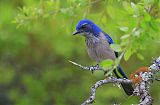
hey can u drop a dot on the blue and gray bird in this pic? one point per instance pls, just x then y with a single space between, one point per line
98 47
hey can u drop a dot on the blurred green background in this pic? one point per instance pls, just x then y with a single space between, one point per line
36 43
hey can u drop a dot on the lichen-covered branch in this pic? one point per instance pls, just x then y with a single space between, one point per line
147 77
141 78
142 90
102 82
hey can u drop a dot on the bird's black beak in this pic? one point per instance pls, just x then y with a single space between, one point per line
76 32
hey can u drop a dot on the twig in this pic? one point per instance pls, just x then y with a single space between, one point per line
90 68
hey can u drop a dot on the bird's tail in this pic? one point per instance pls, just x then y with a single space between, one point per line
121 74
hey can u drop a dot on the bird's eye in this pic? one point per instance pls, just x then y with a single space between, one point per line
84 26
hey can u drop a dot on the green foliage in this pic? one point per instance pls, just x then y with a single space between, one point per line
116 47
142 15
106 64
127 54
34 67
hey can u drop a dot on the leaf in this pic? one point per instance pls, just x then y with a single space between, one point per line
135 9
144 25
125 29
147 17
116 47
125 36
127 54
137 33
106 63
124 42
154 26
140 56
127 7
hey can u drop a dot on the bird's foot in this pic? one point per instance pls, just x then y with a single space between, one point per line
93 68
92 71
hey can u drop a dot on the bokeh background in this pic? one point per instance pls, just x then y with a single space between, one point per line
36 43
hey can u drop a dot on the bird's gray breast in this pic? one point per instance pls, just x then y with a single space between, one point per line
99 49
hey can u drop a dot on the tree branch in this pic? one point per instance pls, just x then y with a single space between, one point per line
102 82
141 89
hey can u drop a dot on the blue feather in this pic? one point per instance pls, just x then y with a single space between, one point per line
110 40
95 29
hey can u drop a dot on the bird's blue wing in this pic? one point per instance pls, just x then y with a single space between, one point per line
108 38
110 41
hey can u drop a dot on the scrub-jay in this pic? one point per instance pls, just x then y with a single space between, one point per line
98 47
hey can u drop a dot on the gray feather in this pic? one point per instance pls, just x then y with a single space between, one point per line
98 48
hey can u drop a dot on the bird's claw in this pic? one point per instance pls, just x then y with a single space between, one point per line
92 71
93 68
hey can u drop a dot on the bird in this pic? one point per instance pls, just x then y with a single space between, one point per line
98 47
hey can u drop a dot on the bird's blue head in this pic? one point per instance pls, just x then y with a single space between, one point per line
86 28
